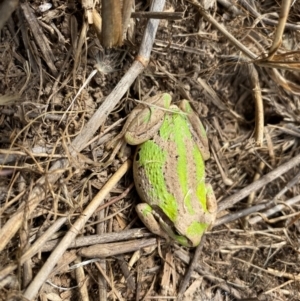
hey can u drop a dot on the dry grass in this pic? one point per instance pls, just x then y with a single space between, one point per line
57 190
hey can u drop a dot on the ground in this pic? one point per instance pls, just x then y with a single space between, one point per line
59 108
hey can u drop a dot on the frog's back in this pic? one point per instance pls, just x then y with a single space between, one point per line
169 173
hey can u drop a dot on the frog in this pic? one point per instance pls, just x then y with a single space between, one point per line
169 169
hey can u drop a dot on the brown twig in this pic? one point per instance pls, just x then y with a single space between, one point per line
191 268
114 249
108 281
40 38
157 15
43 244
89 240
101 230
223 30
202 270
274 174
259 107
246 5
81 280
284 12
112 28
271 208
75 229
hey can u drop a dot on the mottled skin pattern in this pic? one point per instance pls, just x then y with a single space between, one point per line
169 174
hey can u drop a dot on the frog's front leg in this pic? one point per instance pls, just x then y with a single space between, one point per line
149 119
142 123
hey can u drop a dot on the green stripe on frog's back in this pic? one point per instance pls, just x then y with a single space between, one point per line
200 174
175 128
151 154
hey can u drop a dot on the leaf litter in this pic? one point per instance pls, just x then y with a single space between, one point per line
245 87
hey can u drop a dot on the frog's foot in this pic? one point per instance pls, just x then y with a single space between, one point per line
211 201
118 143
121 150
145 213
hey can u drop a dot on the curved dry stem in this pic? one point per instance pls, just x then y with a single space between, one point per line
277 172
223 30
284 12
76 228
259 107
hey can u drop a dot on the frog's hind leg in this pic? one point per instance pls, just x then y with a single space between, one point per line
145 213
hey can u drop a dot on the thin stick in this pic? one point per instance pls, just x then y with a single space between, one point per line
223 30
259 106
90 240
274 174
192 265
157 15
284 13
39 37
76 228
204 271
245 3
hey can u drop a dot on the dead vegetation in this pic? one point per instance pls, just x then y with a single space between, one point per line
69 230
